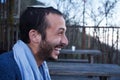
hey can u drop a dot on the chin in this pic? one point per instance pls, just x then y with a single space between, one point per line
53 58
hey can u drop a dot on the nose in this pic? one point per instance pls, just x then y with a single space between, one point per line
64 40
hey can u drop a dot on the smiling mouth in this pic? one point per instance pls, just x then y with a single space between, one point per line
57 50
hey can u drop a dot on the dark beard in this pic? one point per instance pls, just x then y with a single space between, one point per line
45 50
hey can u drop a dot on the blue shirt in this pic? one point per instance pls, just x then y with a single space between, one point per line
8 67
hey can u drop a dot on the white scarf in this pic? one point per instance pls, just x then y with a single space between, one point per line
27 64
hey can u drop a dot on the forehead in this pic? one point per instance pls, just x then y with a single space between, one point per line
55 21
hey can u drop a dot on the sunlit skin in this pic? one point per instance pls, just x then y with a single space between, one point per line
55 39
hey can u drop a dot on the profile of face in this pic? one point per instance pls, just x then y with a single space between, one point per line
55 37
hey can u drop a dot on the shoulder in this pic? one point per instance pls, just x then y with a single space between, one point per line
7 60
8 67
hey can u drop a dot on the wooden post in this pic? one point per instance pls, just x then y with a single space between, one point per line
83 41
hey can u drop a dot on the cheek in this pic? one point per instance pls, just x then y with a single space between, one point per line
54 40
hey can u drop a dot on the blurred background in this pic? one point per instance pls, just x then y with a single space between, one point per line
91 24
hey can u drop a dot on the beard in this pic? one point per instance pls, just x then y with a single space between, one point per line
45 50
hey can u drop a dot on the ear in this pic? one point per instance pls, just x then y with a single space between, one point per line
34 36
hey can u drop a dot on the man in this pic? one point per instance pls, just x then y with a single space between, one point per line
42 35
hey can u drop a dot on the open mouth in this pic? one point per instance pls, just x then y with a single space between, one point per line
58 47
57 50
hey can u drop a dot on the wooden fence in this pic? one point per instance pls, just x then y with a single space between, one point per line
8 24
105 39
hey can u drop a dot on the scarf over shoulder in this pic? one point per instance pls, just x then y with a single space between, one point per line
27 64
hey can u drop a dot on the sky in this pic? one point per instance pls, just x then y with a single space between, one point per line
114 20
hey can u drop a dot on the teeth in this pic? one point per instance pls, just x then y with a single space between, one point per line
58 49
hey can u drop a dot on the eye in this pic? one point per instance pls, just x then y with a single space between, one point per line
61 33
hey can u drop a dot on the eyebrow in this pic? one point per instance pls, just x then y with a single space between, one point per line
62 29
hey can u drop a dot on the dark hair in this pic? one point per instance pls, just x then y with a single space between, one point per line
35 18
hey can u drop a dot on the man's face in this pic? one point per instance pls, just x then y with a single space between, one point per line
55 37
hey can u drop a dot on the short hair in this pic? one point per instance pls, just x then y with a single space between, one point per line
35 18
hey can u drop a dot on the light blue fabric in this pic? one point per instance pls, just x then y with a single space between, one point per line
27 64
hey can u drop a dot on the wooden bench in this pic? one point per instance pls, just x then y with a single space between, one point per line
74 60
90 53
103 71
